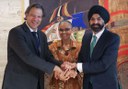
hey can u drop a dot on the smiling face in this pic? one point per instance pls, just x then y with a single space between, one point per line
96 23
65 30
34 17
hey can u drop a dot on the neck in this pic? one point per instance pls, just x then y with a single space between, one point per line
31 29
66 42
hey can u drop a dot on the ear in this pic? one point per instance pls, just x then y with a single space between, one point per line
25 18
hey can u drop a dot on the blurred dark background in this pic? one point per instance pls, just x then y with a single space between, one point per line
74 6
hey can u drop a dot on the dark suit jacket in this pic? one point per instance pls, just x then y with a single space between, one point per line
100 68
25 68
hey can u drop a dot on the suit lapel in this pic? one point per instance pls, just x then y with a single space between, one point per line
29 36
100 44
89 41
40 41
86 48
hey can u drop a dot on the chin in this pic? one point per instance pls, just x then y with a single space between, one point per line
96 30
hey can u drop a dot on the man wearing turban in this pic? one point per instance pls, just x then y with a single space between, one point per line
98 55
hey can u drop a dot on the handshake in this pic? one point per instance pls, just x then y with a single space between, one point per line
67 70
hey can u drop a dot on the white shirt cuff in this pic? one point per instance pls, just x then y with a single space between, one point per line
79 67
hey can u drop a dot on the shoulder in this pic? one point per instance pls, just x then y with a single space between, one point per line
54 45
16 30
112 35
77 44
111 38
87 33
87 36
43 35
20 28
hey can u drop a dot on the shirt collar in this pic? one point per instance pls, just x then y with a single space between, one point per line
99 33
31 30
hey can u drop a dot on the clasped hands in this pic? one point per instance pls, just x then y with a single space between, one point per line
66 71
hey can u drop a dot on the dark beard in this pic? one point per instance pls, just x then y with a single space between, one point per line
98 28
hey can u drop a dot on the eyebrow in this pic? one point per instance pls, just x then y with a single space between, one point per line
64 28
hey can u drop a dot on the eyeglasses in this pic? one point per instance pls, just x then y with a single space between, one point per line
66 29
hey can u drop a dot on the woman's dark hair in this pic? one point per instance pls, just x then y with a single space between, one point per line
35 6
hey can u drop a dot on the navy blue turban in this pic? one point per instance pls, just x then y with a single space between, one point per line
97 9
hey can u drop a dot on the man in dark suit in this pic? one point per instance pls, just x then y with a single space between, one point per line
98 56
28 54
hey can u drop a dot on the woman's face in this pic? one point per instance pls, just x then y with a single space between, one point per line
65 30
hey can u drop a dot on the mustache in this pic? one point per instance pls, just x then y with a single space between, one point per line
96 25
